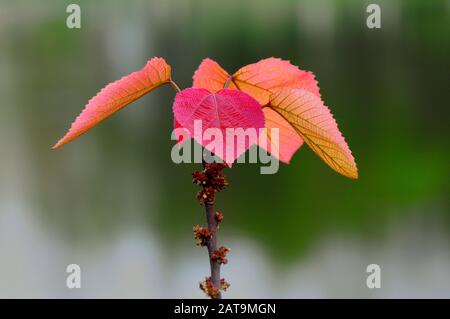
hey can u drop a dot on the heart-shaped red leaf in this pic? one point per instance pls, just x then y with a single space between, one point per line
218 120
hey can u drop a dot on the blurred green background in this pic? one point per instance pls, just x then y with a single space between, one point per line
114 203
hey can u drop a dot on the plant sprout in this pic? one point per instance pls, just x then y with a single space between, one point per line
270 94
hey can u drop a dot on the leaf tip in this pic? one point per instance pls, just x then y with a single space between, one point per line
63 141
355 173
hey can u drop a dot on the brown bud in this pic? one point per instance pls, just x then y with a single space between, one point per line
206 195
199 178
224 285
202 234
208 288
220 254
218 217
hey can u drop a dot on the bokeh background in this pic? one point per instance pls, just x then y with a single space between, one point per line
114 203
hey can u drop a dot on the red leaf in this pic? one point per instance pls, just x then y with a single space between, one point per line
223 110
182 135
117 95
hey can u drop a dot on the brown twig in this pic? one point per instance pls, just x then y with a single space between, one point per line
212 246
212 181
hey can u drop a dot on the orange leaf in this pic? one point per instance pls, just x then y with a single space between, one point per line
211 76
288 140
315 124
262 78
117 95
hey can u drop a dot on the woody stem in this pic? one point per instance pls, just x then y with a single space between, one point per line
212 181
212 246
